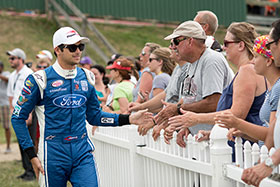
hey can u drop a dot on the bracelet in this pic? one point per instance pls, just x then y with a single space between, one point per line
178 109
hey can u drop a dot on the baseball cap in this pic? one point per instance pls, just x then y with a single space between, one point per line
260 46
17 52
188 28
86 60
118 65
44 54
113 58
68 36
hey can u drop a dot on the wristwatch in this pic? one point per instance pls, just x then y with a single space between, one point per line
178 109
268 162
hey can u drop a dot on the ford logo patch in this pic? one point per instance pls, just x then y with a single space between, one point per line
70 101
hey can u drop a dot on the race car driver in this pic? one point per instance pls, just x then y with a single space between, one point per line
64 96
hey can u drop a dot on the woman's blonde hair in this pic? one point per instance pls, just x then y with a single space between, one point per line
164 53
246 33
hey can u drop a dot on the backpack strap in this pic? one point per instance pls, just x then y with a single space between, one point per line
41 80
90 76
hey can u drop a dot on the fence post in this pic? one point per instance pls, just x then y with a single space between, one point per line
220 154
136 161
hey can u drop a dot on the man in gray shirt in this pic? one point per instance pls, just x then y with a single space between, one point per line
206 77
200 84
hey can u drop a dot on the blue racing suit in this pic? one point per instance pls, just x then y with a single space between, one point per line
63 101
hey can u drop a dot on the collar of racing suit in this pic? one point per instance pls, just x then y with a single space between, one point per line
67 74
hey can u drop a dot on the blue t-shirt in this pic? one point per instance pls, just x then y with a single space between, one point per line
270 105
160 81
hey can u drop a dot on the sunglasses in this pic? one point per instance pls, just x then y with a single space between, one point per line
72 48
226 42
177 41
143 53
269 43
151 59
12 58
41 67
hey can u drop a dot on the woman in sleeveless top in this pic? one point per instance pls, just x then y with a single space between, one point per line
101 89
264 65
245 95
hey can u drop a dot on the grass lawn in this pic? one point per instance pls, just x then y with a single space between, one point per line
8 173
34 34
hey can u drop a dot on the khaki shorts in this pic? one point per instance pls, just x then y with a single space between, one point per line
5 116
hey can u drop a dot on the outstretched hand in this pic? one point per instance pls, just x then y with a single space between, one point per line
233 132
202 135
227 119
181 136
254 175
133 106
144 128
141 117
188 119
168 134
37 166
167 112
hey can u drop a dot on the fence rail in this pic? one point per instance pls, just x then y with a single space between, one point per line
134 161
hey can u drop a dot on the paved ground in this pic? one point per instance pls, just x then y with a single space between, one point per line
14 155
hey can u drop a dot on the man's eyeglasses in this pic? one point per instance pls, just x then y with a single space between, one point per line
151 59
176 41
226 42
72 48
269 43
12 58
41 67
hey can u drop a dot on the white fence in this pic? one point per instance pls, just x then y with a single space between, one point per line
125 159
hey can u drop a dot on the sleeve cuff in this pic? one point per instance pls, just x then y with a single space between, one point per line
123 119
30 151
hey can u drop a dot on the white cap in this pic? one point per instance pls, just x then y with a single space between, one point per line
44 54
17 52
188 28
67 36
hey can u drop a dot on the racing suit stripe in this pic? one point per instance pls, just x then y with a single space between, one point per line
46 163
42 147
96 170
91 144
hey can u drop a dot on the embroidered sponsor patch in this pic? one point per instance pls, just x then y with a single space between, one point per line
84 85
77 87
69 138
70 101
21 100
17 110
39 77
57 83
107 120
92 76
26 90
58 90
28 83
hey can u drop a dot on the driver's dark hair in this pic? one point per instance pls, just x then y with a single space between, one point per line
61 47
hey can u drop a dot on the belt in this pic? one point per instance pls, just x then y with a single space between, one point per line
66 138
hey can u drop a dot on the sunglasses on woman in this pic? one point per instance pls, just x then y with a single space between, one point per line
227 42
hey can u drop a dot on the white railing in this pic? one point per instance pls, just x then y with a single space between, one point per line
125 159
